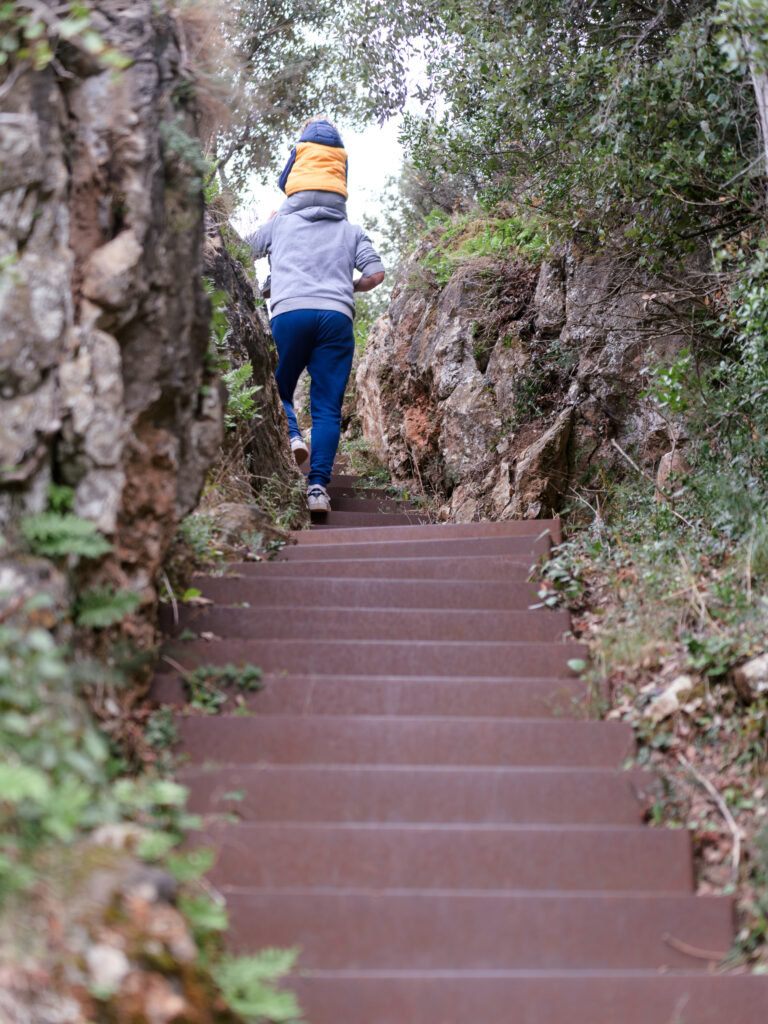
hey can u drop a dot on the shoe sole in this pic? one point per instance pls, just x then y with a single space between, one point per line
300 455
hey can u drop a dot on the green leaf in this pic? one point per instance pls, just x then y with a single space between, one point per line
101 607
156 845
204 915
577 664
22 782
56 534
191 864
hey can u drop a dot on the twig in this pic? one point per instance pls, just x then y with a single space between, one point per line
649 478
174 602
179 668
11 80
700 954
722 806
748 567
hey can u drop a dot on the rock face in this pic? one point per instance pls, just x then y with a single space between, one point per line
501 389
103 316
249 338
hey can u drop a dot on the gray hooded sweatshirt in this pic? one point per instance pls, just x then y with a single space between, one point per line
313 251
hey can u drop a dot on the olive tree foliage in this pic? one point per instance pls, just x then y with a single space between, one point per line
620 121
281 68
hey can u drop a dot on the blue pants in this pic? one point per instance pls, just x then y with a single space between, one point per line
323 342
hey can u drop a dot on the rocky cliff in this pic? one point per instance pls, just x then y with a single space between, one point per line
249 339
103 314
512 382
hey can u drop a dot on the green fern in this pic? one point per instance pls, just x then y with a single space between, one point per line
58 534
103 606
240 403
246 984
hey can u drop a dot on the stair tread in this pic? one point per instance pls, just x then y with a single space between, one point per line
451 856
325 793
527 997
466 567
338 739
496 930
283 621
403 695
529 528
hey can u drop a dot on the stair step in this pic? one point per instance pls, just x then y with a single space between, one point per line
394 657
337 739
346 480
403 695
427 856
531 528
525 997
360 491
481 931
472 567
427 594
375 624
361 503
364 519
313 793
522 548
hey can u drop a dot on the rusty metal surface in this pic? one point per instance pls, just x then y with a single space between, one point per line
530 528
597 858
369 593
451 547
551 796
280 622
472 567
402 695
366 520
371 657
492 931
339 739
528 997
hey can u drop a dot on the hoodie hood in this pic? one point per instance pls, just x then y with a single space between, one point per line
316 205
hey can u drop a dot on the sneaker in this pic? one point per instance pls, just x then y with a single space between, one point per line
318 498
300 450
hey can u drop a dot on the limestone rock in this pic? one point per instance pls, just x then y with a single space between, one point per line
497 398
103 315
673 462
107 967
111 276
549 300
542 472
669 700
751 678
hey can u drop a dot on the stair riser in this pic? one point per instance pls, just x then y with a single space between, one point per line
492 567
374 657
568 999
374 695
514 547
369 594
495 932
375 624
476 796
365 519
400 741
451 857
529 528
